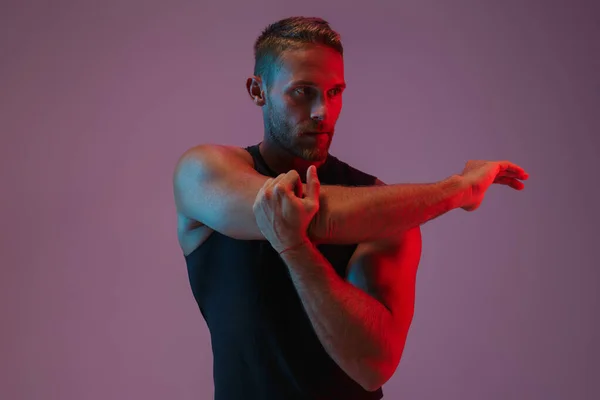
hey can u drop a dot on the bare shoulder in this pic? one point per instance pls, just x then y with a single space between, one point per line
210 155
196 163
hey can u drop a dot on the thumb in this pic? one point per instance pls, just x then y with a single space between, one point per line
313 185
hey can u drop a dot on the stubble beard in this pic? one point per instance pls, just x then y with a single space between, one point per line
287 137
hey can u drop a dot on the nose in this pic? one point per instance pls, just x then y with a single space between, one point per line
319 110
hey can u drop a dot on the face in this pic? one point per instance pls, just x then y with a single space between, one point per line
304 101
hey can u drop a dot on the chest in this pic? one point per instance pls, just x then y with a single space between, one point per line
248 279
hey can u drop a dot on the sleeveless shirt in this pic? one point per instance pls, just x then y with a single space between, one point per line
264 345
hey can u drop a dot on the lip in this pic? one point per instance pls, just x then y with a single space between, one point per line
321 138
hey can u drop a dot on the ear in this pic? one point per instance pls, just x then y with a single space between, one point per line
253 85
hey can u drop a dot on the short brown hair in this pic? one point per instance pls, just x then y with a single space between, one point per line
290 33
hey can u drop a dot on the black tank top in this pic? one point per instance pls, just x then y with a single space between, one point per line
264 345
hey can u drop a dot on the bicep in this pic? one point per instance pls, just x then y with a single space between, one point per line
216 186
387 271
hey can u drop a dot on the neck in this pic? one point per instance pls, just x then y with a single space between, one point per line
282 161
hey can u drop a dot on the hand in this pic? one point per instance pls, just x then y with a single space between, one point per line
479 176
282 212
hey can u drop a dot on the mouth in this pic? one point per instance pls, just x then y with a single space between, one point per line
317 133
318 138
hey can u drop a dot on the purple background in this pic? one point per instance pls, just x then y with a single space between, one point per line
99 99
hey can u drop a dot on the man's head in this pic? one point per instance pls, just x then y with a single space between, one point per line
298 81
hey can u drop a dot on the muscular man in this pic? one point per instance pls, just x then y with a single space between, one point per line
302 266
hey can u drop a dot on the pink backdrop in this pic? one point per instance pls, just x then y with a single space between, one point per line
99 98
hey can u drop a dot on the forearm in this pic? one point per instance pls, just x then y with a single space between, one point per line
356 330
363 214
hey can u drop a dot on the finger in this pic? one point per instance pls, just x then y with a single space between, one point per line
271 182
511 174
514 168
512 182
313 186
288 182
273 185
266 189
267 185
298 189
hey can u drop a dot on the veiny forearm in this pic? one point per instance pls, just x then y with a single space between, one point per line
363 214
355 329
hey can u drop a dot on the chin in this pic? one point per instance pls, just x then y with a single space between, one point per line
314 155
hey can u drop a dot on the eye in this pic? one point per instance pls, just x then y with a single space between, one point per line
300 90
335 92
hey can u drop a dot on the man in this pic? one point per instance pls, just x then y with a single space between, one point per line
303 267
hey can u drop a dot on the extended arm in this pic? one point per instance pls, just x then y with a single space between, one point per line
217 185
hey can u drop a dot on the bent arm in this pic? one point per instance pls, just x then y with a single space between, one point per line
217 185
356 330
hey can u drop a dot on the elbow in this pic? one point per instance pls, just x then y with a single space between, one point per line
376 374
373 380
381 366
371 387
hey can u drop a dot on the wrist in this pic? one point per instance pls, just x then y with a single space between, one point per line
456 190
301 242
